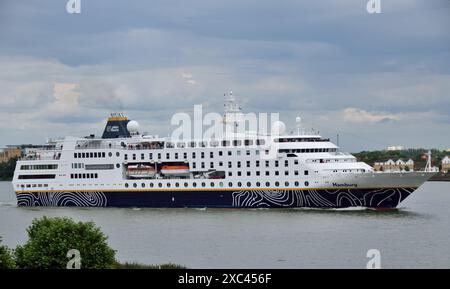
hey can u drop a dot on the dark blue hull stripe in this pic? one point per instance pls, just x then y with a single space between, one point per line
314 198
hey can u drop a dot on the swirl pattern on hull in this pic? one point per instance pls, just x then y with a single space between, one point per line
79 199
320 198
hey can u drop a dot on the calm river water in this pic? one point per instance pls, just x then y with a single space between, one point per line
415 236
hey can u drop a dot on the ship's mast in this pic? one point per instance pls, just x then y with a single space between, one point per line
428 165
232 112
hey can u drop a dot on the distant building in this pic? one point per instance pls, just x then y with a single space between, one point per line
445 164
8 153
394 166
396 148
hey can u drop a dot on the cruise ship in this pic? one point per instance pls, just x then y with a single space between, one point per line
124 168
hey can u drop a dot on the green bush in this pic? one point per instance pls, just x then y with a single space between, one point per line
50 239
133 265
6 257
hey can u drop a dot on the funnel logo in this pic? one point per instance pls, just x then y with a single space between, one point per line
111 128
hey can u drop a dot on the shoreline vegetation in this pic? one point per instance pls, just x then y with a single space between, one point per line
62 243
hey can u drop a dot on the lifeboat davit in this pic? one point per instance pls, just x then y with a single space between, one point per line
175 170
140 171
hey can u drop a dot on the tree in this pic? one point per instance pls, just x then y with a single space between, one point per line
50 240
6 257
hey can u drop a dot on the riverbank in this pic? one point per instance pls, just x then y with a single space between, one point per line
440 177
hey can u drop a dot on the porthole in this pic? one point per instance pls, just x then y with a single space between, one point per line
306 183
143 185
134 185
267 184
194 184
211 184
258 184
286 184
168 185
177 185
151 185
296 184
239 184
117 154
110 154
203 184
186 184
249 184
230 184
117 165
159 185
221 184
277 184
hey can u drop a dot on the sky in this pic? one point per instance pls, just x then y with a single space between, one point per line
376 79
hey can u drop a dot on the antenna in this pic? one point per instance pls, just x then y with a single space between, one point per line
298 122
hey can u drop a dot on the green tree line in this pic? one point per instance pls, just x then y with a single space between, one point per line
7 169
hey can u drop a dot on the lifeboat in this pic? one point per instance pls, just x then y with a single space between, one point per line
140 171
175 170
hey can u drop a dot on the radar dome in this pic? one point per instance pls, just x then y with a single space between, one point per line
133 126
278 127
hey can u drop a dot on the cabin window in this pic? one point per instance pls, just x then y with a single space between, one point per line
237 143
181 145
225 143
